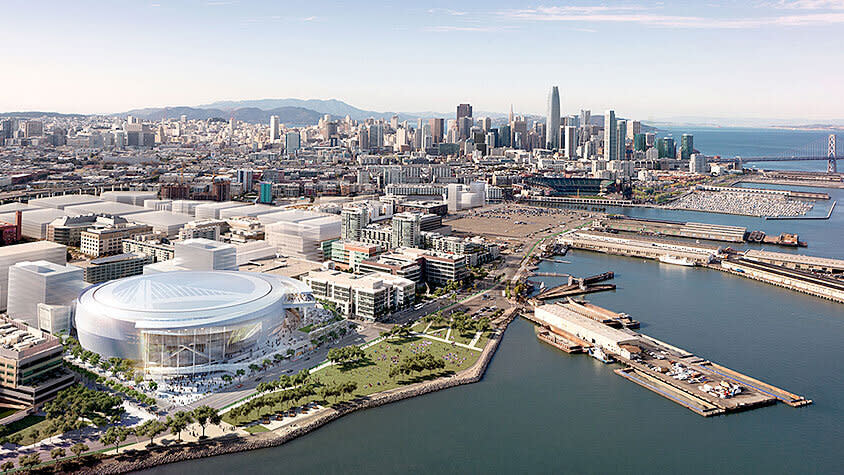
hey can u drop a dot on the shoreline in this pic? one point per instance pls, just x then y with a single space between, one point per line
161 455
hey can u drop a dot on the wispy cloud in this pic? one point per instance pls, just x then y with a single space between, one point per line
810 4
480 29
220 3
602 14
447 11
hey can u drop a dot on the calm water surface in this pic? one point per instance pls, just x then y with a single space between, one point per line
538 410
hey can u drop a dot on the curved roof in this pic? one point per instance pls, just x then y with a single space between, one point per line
184 299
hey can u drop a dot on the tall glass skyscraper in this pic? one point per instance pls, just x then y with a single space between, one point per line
687 146
610 136
552 122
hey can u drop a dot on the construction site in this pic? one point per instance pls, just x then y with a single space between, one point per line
700 385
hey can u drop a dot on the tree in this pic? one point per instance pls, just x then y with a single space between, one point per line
153 385
57 453
154 427
205 414
29 461
114 436
240 373
7 466
78 448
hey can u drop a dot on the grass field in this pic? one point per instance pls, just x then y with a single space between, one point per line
30 428
6 412
256 429
372 373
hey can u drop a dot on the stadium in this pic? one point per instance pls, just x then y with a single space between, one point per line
187 322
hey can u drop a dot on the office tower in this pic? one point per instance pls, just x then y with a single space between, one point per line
232 124
406 230
504 136
485 123
687 146
464 127
585 118
633 127
221 189
621 153
510 117
394 122
274 128
570 141
610 136
464 110
437 129
639 144
552 120
650 139
292 142
666 148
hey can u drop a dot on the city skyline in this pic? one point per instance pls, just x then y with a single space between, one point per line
682 60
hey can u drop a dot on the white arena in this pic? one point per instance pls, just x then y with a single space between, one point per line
187 322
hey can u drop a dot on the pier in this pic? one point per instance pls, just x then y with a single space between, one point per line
644 248
700 385
578 286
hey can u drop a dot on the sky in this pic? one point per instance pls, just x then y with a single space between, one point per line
648 59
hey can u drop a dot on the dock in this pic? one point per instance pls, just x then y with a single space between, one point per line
700 385
578 286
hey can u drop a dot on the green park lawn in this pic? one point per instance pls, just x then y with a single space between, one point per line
6 412
30 428
372 374
256 429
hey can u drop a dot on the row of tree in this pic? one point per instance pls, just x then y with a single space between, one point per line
417 363
202 415
346 355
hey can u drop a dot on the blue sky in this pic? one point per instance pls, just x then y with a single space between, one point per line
653 60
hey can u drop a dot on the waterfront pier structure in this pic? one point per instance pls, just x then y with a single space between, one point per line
702 386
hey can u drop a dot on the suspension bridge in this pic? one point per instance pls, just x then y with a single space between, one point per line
824 148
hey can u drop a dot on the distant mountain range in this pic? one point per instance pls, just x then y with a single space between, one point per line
287 115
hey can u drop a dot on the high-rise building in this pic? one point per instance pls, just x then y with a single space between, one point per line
610 136
274 129
437 129
585 118
666 147
621 153
633 127
464 110
354 219
639 143
266 195
34 282
292 142
552 121
406 230
570 141
687 146
464 127
33 128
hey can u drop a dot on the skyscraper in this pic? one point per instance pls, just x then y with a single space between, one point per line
552 121
464 110
687 146
274 128
633 127
621 153
437 129
570 141
585 117
610 136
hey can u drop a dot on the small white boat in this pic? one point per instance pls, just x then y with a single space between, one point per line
680 261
